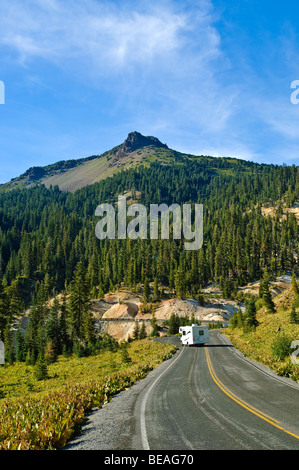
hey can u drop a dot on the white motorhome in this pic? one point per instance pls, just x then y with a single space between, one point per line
194 334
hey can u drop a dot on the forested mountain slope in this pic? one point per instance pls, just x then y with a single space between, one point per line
46 232
48 242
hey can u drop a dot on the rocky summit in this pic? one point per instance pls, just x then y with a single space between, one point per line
136 141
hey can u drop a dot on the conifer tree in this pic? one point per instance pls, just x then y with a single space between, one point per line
52 333
64 341
154 326
14 300
293 315
136 331
146 290
250 313
3 311
294 284
8 344
264 292
35 338
126 359
20 346
174 324
41 368
142 334
156 292
81 321
180 283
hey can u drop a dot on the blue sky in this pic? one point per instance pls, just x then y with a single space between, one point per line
208 77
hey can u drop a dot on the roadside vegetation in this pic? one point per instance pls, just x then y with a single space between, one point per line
43 413
265 332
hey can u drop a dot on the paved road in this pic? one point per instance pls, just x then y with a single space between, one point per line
204 398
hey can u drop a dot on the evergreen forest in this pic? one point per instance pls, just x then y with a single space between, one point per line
48 245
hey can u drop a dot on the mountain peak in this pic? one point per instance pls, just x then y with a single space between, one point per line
84 171
135 141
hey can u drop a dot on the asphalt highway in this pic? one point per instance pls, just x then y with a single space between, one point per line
204 398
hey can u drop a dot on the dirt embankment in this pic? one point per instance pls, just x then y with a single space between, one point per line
117 312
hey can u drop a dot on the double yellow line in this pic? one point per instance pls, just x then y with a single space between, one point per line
241 402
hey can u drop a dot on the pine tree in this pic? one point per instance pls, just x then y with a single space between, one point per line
35 338
136 331
200 298
156 292
81 321
41 368
154 326
293 315
126 359
174 324
52 333
237 320
265 294
64 341
14 301
27 256
180 283
142 334
4 310
8 344
20 346
294 284
250 313
146 290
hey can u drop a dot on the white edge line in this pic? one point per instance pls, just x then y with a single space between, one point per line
145 443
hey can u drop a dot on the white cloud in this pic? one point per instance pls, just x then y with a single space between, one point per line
168 52
162 62
107 36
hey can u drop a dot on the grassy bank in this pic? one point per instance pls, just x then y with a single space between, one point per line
267 343
39 415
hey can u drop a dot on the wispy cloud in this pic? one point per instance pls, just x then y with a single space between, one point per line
162 67
162 53
96 31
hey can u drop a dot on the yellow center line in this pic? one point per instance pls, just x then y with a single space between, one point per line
241 402
231 394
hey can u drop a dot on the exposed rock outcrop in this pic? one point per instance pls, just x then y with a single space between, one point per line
136 141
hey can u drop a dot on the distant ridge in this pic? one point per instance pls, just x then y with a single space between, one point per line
74 174
71 175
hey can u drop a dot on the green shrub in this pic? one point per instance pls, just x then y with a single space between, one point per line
281 347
